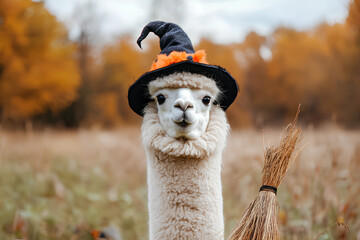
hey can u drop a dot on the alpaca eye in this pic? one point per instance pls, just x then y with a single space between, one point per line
160 99
206 100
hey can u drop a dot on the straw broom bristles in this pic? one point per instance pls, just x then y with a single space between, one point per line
260 220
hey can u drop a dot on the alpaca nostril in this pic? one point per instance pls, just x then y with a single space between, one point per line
178 106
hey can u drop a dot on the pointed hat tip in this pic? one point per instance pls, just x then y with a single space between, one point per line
172 37
150 27
139 43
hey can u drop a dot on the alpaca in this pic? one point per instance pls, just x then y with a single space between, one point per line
183 101
184 159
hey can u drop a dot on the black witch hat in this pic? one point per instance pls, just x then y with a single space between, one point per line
178 55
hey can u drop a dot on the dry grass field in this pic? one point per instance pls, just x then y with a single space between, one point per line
62 185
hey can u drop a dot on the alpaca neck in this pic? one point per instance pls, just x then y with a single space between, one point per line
184 181
185 198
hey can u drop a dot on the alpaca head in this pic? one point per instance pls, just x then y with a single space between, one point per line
184 102
180 96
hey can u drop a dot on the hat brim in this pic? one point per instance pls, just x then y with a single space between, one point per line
138 95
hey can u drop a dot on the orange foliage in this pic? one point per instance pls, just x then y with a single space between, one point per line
38 72
296 70
122 64
353 18
314 68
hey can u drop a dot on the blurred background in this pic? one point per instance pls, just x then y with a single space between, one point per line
69 144
70 64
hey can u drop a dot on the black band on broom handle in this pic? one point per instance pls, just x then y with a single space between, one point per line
268 188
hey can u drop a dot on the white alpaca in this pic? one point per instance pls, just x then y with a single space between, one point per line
184 135
182 99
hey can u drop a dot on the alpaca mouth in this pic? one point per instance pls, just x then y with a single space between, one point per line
183 123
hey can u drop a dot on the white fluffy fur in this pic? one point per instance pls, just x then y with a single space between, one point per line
184 80
185 196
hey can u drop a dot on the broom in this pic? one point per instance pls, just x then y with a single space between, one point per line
260 220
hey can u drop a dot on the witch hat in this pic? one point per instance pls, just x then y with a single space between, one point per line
178 55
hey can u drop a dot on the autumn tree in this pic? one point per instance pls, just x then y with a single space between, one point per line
353 22
297 71
122 63
255 75
37 69
228 56
86 55
353 19
120 66
339 92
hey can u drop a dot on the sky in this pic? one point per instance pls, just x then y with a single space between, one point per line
223 21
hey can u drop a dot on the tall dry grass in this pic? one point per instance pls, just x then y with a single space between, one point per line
61 185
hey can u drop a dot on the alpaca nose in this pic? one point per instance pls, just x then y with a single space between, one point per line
183 104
